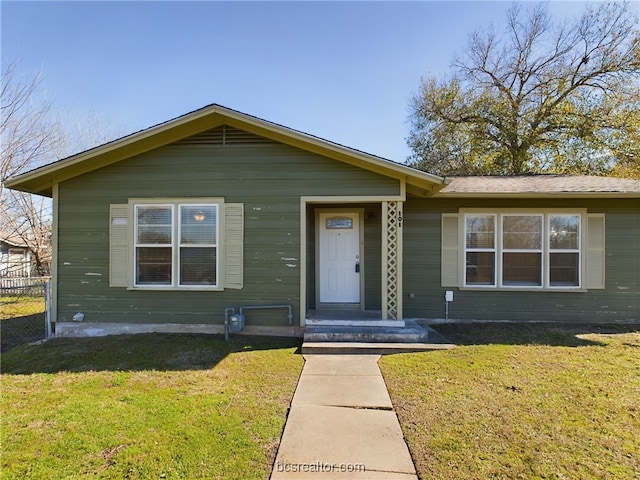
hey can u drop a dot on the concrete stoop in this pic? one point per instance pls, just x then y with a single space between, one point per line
365 338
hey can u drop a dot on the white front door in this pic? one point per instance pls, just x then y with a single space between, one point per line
339 257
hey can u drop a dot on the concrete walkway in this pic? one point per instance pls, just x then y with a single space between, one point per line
342 425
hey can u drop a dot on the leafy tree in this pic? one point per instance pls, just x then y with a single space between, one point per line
541 97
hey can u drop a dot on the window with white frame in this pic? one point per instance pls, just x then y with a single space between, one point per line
564 250
480 240
176 245
522 250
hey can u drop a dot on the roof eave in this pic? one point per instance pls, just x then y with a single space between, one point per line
40 181
538 194
318 145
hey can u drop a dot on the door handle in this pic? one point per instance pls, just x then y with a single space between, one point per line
357 267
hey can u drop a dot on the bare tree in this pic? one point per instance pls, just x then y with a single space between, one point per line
32 136
27 140
540 97
28 218
26 134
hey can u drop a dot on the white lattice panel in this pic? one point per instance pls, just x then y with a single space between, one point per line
392 260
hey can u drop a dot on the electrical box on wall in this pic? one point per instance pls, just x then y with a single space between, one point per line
448 296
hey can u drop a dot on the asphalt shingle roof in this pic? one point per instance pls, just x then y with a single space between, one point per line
540 184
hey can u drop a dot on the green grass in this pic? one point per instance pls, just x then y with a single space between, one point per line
512 401
522 401
146 406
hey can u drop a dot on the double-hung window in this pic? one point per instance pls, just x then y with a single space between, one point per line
522 250
480 238
564 250
176 245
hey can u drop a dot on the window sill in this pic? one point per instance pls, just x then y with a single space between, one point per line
159 288
525 289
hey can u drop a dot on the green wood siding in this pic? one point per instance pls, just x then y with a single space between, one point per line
619 301
267 179
373 256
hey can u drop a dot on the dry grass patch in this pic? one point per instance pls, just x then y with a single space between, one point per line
22 320
12 306
524 401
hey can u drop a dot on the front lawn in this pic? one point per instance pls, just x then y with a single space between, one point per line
512 401
146 407
522 401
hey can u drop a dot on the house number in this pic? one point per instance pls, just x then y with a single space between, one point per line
400 220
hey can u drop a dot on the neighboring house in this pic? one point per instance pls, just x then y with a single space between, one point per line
164 229
15 258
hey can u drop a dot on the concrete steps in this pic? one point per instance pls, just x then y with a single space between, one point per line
320 322
367 337
360 348
357 331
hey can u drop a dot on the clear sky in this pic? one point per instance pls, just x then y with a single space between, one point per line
343 71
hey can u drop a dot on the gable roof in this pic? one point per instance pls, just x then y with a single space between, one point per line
541 186
41 180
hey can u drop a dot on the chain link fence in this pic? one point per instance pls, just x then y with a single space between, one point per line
24 316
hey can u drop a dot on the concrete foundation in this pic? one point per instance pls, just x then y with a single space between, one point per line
100 329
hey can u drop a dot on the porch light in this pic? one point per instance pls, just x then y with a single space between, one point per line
199 216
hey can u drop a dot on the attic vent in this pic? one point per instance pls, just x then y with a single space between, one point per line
225 135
